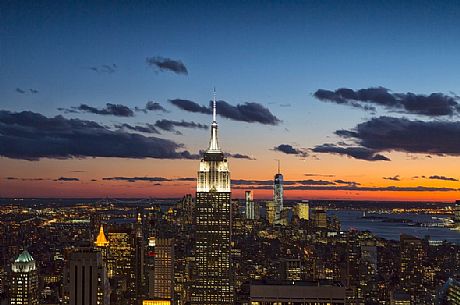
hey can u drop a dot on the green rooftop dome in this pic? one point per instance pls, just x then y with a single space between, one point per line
24 257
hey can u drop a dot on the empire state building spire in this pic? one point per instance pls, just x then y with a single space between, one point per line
213 142
212 278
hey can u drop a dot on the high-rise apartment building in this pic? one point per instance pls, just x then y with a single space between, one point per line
212 282
24 280
320 218
85 280
122 262
413 256
186 209
302 210
163 271
270 211
250 212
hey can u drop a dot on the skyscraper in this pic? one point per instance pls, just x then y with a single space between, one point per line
163 272
102 243
278 194
212 283
302 210
249 205
122 262
457 212
270 211
86 280
24 280
413 256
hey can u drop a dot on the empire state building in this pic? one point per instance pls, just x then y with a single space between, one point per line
212 283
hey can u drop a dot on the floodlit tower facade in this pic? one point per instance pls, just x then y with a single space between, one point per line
24 280
278 194
249 205
212 283
102 243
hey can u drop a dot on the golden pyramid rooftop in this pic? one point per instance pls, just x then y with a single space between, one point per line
101 240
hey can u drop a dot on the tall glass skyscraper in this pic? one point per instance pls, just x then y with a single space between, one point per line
212 283
278 195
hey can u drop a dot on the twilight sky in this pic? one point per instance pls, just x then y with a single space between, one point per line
358 99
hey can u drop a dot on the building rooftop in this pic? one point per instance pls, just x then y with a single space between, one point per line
101 240
24 257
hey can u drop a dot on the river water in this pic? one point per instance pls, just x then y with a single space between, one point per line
392 230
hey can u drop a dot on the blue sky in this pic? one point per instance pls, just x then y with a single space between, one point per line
275 53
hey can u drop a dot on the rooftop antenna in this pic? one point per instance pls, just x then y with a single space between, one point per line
278 166
214 106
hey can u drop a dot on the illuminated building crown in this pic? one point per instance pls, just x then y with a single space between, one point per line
101 240
214 174
24 263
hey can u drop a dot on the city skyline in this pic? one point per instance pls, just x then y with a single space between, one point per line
359 101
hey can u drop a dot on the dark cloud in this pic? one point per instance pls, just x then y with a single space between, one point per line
251 182
394 178
134 179
351 183
437 177
185 179
66 110
400 134
27 179
108 69
287 182
67 179
147 179
312 182
352 188
167 64
247 112
360 153
239 156
154 106
26 91
190 106
290 150
31 136
110 109
151 106
318 175
148 128
435 104
169 125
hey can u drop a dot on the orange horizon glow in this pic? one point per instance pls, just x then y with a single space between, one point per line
329 168
79 189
